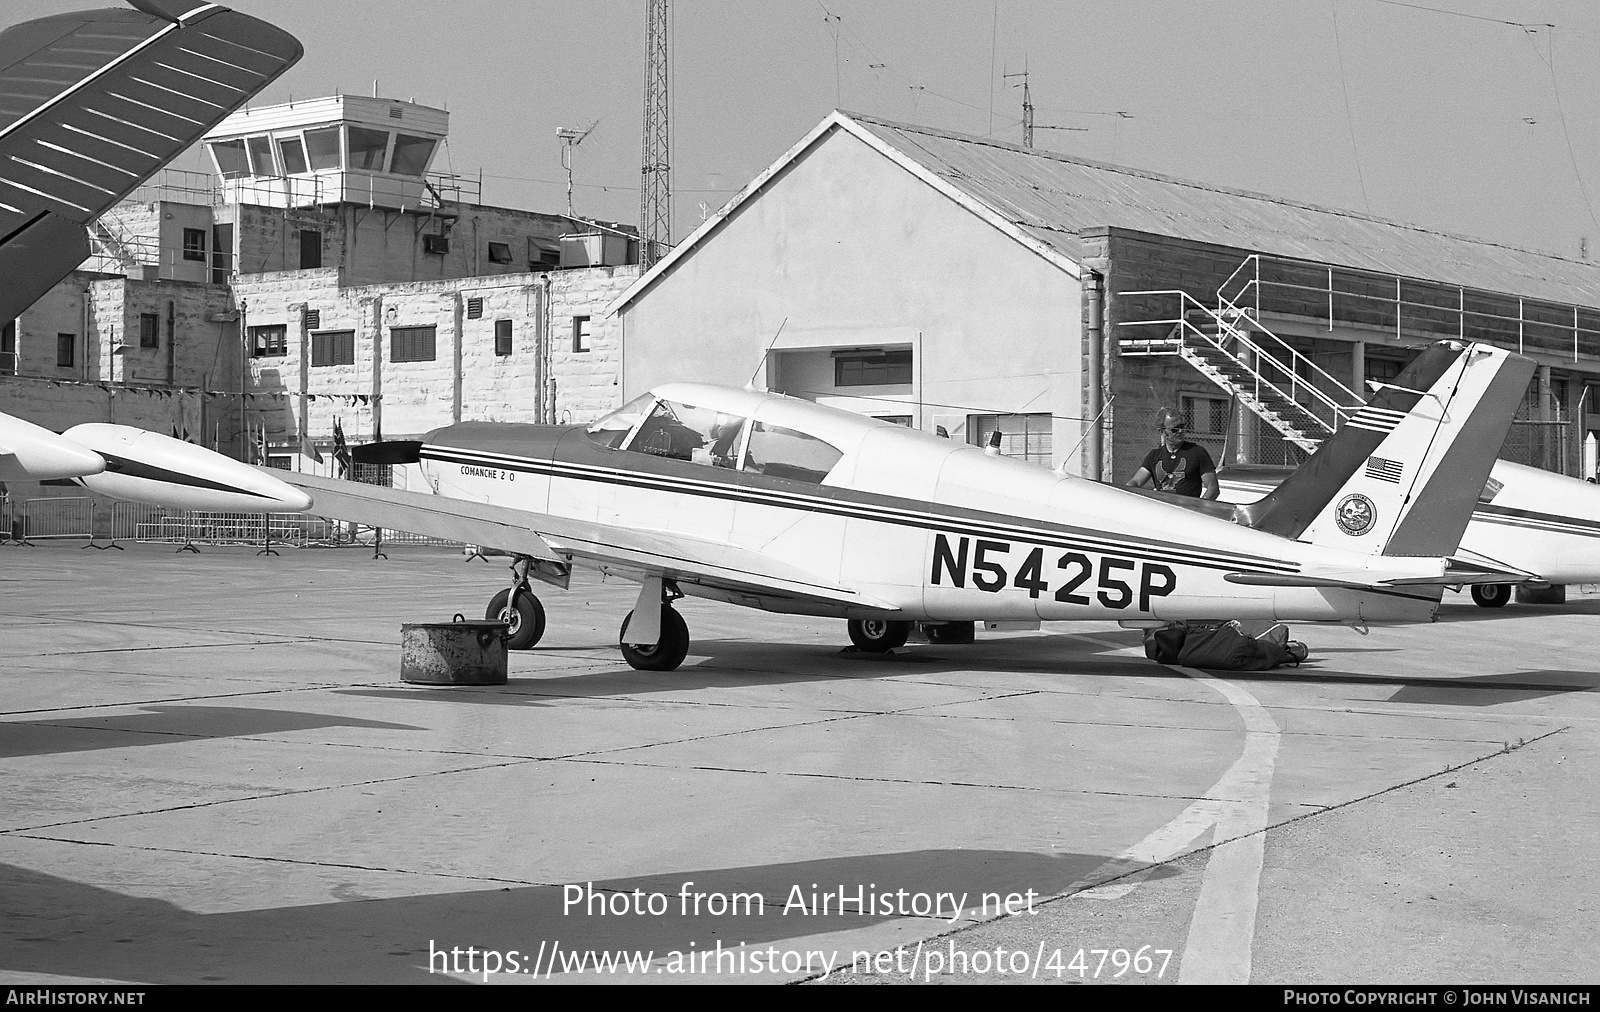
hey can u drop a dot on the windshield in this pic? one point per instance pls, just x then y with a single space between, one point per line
690 432
610 430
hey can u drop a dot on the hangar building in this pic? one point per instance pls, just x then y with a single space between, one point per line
968 284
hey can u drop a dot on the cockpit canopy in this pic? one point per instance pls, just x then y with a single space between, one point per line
678 430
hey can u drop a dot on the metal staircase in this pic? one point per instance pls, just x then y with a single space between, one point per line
115 250
1292 394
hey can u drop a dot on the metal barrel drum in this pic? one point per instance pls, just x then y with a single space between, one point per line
453 653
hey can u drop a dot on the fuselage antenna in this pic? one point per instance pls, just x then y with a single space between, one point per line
752 384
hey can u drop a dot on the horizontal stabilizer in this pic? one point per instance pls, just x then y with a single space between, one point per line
1456 573
93 103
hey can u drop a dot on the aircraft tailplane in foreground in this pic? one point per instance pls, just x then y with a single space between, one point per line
95 102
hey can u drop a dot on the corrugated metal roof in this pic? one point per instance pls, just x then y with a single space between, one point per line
1055 197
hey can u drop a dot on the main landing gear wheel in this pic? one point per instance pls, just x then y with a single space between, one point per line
1491 595
526 618
878 635
665 654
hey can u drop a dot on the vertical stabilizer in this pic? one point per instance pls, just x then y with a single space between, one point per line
1401 477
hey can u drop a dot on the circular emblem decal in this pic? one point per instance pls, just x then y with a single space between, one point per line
1355 515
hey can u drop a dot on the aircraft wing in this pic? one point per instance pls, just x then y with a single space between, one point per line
94 103
713 564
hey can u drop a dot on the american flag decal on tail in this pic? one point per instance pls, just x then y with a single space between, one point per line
1384 470
1376 419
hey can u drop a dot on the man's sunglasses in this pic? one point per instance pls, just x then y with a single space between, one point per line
1175 428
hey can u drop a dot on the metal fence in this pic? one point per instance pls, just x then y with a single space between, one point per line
61 517
51 517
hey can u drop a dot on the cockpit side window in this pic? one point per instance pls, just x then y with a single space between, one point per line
789 453
689 432
611 430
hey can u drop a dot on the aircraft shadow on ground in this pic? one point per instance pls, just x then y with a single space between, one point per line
62 927
1516 609
737 663
163 725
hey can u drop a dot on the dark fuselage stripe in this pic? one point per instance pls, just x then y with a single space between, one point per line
901 516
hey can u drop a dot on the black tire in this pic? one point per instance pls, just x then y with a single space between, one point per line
526 619
667 653
951 632
1491 595
878 635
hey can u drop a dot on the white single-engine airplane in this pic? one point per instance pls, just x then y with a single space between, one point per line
1526 520
776 503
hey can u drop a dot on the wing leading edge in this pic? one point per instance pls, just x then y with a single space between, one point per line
728 570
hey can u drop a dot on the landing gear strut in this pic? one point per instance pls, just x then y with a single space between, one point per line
671 641
519 608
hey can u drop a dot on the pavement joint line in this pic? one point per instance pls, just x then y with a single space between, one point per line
893 780
1077 889
180 646
265 796
313 687
285 860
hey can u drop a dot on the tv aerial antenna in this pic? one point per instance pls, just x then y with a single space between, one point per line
570 138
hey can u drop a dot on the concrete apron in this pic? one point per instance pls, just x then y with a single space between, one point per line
216 774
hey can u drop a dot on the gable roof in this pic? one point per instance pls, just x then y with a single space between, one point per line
1047 200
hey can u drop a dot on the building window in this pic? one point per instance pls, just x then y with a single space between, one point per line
149 330
313 319
8 348
333 347
502 337
474 309
499 252
438 244
580 333
194 244
871 368
1027 437
549 257
269 341
66 346
1207 416
411 344
310 248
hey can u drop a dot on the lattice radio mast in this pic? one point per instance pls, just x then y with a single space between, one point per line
655 192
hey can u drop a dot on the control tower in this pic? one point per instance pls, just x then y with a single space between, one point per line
347 149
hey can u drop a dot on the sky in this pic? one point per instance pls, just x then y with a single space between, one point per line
1479 117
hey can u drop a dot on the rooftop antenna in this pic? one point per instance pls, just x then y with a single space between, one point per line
570 138
1027 106
1028 126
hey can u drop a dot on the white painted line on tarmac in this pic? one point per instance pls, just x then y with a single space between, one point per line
1223 928
1235 809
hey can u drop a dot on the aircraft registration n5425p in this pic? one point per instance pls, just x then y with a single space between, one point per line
777 503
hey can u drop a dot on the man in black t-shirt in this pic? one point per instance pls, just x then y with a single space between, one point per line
1177 465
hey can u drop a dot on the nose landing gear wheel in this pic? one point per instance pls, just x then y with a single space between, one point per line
878 635
526 618
666 653
1491 595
